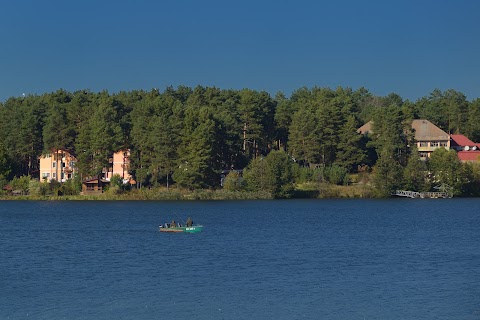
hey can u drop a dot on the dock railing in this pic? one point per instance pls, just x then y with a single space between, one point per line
415 194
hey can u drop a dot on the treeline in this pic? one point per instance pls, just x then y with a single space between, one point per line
187 136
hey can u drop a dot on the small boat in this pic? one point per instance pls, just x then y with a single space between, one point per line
190 229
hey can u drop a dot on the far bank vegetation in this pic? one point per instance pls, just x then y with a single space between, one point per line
211 143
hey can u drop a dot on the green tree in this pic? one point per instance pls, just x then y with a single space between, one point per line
198 163
387 173
5 163
106 134
415 174
446 169
303 137
470 176
329 119
283 119
21 183
472 128
273 174
256 175
257 110
350 152
233 182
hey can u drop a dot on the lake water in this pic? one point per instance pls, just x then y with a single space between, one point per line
292 259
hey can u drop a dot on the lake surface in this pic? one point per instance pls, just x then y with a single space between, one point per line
291 259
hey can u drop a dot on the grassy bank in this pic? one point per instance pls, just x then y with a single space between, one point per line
331 191
302 191
153 194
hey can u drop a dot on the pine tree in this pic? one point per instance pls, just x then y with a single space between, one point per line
387 173
303 137
415 173
350 153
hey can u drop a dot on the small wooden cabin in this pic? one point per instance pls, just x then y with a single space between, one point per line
94 186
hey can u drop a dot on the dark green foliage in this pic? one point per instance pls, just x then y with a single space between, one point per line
71 186
415 175
472 129
304 140
198 162
5 163
188 135
448 110
272 173
336 175
470 179
234 182
387 173
445 168
350 153
21 184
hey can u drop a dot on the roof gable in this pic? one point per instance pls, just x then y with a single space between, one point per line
425 130
463 141
366 128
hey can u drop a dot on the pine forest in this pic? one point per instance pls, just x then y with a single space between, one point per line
186 138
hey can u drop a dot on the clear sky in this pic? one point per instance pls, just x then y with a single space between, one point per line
407 47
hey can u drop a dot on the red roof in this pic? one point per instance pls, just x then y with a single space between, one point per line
469 155
461 140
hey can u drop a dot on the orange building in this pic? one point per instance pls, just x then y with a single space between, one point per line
58 165
118 164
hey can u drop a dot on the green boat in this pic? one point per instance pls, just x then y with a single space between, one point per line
191 229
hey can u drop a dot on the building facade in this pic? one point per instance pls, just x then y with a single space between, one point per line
429 137
118 165
58 166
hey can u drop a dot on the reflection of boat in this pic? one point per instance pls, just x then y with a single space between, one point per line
190 229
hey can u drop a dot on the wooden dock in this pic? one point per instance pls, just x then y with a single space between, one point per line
414 194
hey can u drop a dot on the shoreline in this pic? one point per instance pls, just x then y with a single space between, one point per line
324 191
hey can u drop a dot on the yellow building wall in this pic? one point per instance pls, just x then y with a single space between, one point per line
120 162
59 167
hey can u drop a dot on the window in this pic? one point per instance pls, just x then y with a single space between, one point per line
54 175
435 144
423 144
443 144
63 164
54 164
423 154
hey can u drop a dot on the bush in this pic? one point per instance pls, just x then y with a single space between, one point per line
337 175
22 184
272 174
233 182
72 186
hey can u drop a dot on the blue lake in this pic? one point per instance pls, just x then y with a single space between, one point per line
291 259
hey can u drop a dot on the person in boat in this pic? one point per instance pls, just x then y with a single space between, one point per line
189 222
173 224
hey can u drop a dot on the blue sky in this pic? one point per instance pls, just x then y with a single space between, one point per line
406 47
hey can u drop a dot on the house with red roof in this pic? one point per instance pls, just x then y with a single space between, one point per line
429 137
467 150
